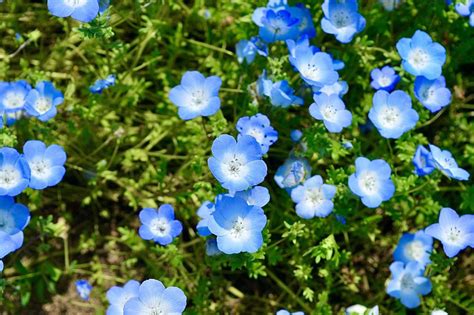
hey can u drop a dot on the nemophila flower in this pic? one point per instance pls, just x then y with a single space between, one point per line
408 283
331 110
119 296
153 298
339 88
342 19
304 44
46 163
455 232
315 68
313 198
256 196
293 172
389 5
14 217
421 56
196 95
81 10
392 113
423 161
466 8
296 135
305 23
83 288
7 245
41 101
432 94
159 225
13 96
358 309
102 84
211 247
282 95
237 165
285 312
347 145
14 172
275 25
237 225
371 181
444 161
204 212
384 79
414 247
248 49
258 126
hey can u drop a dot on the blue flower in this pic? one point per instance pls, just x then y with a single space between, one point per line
455 232
315 68
392 113
313 198
422 56
46 163
154 298
12 118
211 247
281 94
285 312
371 181
444 161
389 5
204 212
339 88
466 9
237 165
414 247
292 173
423 161
159 225
305 23
83 288
7 245
332 111
118 296
347 145
14 172
358 309
196 96
41 101
384 79
13 96
237 225
14 217
258 126
303 44
83 11
408 283
276 25
433 94
342 19
248 49
102 84
296 135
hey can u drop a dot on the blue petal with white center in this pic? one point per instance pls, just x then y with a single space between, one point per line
444 161
119 296
159 225
14 172
14 217
414 248
432 94
258 127
342 19
83 288
331 110
423 161
292 173
81 10
41 101
384 79
313 198
13 96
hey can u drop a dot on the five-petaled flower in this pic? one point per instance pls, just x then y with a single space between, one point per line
159 225
313 198
414 247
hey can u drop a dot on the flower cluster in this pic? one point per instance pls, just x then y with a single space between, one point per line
19 99
38 167
148 298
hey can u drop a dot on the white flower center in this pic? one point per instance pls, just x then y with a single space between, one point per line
75 3
234 166
257 133
384 81
7 223
156 311
418 58
389 117
448 163
329 112
14 100
238 228
43 104
368 183
40 169
160 227
453 235
9 177
341 18
407 282
310 71
428 94
415 250
314 196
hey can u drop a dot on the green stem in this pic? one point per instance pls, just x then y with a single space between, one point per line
289 291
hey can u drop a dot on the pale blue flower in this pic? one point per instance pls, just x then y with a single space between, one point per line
258 126
293 172
432 94
332 111
83 288
444 161
384 79
423 161
414 247
81 10
313 198
159 225
119 296
342 19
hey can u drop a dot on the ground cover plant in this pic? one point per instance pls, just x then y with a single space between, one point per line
236 157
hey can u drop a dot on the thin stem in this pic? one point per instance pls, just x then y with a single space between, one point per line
289 291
